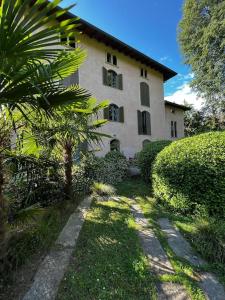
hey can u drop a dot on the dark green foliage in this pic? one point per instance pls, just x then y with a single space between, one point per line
190 174
204 120
147 156
201 36
32 238
32 181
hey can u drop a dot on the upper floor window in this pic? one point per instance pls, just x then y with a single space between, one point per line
173 128
144 73
111 78
115 145
68 40
111 59
114 113
144 93
144 122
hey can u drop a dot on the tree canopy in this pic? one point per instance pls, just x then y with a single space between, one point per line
201 37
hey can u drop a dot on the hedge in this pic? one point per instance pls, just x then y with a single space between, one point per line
190 174
147 156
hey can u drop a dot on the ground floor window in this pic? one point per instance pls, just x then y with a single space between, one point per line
173 129
114 145
145 143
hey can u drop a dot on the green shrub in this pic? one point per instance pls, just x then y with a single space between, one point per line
190 174
147 156
110 169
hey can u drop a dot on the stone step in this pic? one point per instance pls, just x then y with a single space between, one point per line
211 287
159 262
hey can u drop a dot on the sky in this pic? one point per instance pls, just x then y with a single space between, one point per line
149 26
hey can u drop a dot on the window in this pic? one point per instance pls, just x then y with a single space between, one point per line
114 145
69 41
114 60
144 93
114 113
144 73
144 122
111 59
173 129
145 143
111 78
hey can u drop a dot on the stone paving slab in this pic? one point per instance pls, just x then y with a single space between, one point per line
53 267
177 242
208 283
158 259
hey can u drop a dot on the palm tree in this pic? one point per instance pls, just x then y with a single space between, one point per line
33 64
67 132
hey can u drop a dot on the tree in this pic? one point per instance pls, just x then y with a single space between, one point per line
201 37
67 133
204 120
33 64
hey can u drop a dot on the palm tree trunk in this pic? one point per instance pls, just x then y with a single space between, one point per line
68 162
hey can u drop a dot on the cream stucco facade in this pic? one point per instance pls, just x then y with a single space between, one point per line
90 77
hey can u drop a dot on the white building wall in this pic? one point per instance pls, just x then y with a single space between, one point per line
174 114
90 77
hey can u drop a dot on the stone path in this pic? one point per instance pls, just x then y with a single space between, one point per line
158 259
208 283
53 267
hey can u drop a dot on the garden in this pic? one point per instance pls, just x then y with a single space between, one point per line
46 171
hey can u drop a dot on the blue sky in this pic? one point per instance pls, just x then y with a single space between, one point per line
149 26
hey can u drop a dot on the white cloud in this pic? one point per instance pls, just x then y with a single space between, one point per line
185 93
165 59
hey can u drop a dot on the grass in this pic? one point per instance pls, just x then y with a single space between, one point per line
203 241
32 240
108 262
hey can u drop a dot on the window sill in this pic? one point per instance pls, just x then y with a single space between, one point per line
113 87
112 65
147 78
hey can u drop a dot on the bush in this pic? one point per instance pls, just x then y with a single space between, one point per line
190 174
147 156
110 169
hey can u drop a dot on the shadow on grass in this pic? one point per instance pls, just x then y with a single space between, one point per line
108 262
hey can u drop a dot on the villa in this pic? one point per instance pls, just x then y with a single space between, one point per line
134 85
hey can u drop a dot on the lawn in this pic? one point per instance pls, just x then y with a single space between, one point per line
108 262
207 236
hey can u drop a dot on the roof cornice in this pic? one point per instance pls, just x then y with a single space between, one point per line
109 40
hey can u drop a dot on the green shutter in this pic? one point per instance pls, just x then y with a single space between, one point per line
106 113
148 122
144 93
139 117
121 114
104 76
120 81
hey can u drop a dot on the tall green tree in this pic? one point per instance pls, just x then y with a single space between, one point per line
201 37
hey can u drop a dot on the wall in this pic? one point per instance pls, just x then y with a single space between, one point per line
90 77
177 116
